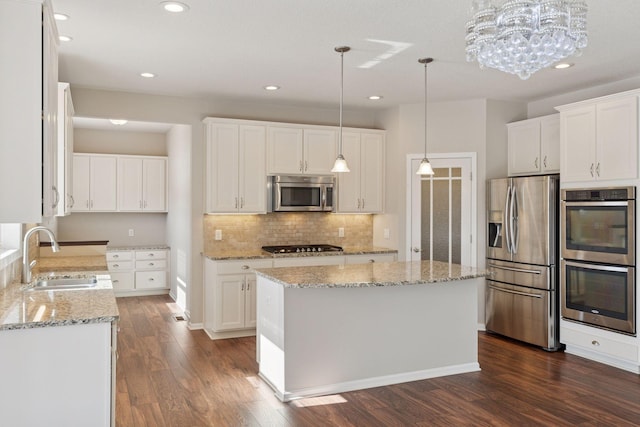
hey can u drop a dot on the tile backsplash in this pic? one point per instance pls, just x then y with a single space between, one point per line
246 232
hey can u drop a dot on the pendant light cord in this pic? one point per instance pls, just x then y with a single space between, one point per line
341 97
425 109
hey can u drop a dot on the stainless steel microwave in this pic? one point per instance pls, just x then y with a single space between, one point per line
300 193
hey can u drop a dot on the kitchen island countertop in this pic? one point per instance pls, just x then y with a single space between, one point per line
257 253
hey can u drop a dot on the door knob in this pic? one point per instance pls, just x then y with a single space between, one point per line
416 249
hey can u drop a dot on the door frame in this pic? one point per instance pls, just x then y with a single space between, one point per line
472 156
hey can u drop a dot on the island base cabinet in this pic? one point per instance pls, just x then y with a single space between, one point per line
319 341
57 376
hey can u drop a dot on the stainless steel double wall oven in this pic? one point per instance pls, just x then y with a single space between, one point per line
598 285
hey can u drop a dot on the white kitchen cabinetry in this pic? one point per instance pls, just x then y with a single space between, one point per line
300 150
142 184
94 183
619 350
28 110
369 258
362 189
230 296
58 375
65 150
308 261
534 146
599 139
236 179
138 272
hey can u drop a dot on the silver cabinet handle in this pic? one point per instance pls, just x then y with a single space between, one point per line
236 203
306 165
598 170
140 204
509 291
416 249
151 279
544 162
151 264
596 343
591 170
116 256
241 202
300 166
115 281
372 260
535 162
116 265
151 254
73 201
245 267
248 286
57 198
517 270
362 203
91 204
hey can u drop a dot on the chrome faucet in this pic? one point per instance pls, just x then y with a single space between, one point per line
26 265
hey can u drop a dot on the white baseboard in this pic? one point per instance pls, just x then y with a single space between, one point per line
482 327
374 382
195 326
601 358
141 293
230 334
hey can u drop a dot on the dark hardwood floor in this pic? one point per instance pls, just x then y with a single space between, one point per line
168 375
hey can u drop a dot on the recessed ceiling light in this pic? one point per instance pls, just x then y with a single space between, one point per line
271 87
147 75
118 122
60 16
375 97
562 65
174 6
65 38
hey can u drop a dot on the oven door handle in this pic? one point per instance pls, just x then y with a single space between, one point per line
509 291
517 270
599 267
597 203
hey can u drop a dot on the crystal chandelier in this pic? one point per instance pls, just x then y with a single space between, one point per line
522 36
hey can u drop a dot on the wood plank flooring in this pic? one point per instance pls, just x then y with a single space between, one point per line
168 375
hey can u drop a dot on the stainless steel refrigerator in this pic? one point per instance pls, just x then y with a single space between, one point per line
522 294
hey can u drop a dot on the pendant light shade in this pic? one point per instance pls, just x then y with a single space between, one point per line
340 164
425 167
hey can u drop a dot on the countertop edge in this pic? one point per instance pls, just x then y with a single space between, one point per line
266 255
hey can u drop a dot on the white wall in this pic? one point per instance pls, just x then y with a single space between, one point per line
119 142
179 216
149 228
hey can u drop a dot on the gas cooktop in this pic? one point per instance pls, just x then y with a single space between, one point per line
289 249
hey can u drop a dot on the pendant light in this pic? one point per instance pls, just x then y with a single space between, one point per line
340 164
425 167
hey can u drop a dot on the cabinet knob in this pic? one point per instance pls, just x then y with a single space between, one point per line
115 281
151 264
245 267
416 250
151 254
116 265
372 260
596 343
116 256
151 279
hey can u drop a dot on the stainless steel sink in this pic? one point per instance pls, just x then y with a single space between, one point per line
64 283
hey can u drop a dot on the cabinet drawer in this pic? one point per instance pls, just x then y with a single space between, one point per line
151 279
152 264
120 265
119 256
122 281
368 258
151 254
600 344
242 267
307 261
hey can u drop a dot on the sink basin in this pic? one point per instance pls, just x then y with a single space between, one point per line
64 283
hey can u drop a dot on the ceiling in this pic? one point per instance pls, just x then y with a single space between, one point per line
231 49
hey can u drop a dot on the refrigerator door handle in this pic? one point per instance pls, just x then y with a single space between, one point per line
517 270
507 226
514 220
524 294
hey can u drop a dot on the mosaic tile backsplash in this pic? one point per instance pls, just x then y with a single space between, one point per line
245 232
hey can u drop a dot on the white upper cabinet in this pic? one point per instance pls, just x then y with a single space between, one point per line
65 150
94 183
534 146
300 150
599 139
28 110
235 171
362 189
142 184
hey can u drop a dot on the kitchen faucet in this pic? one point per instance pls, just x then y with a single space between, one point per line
26 265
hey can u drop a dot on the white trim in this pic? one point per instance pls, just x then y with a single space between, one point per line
230 334
599 357
195 326
381 381
472 156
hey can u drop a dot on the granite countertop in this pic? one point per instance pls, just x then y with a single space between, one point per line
236 254
22 309
370 275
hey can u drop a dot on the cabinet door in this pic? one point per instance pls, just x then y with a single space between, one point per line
129 184
284 150
122 281
550 142
50 192
617 139
65 150
319 151
151 279
252 179
102 182
578 144
371 173
524 147
229 302
154 185
349 183
250 298
81 188
222 168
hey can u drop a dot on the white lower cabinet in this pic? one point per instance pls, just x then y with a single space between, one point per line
619 350
369 258
138 271
230 295
58 375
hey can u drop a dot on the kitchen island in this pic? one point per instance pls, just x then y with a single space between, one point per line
331 329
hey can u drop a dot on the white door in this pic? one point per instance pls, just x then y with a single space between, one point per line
443 211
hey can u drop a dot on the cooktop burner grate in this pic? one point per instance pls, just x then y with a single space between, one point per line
288 249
